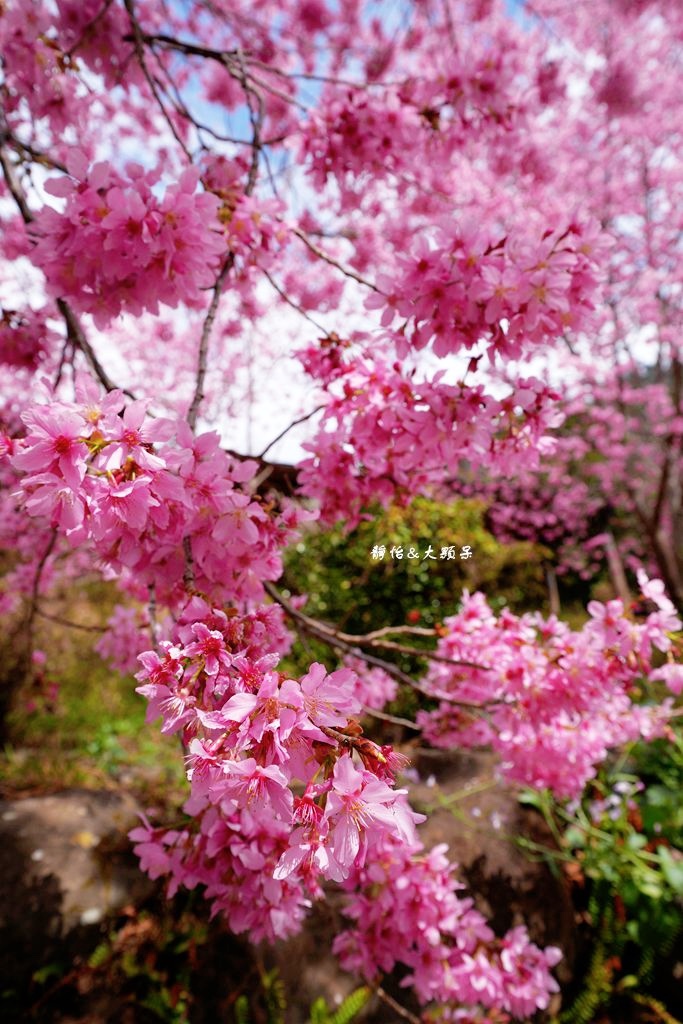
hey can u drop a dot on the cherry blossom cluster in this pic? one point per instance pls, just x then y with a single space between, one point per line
358 136
623 439
287 793
128 631
117 247
277 800
34 67
461 165
479 89
98 33
545 505
360 133
406 910
385 435
140 489
468 287
253 229
556 699
24 337
373 687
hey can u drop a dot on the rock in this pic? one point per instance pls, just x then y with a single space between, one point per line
65 865
66 868
479 817
306 965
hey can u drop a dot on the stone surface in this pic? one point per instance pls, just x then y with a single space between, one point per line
65 865
479 817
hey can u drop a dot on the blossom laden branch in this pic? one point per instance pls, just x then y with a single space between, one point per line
355 645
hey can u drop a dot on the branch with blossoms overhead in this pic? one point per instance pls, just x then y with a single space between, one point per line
407 215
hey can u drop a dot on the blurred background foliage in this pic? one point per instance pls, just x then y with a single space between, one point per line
348 587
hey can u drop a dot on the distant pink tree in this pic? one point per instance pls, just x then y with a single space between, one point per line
616 152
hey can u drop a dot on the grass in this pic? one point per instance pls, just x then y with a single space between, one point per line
91 732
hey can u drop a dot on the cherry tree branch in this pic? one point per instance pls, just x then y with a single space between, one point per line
88 29
669 571
396 1007
234 62
207 328
138 42
11 179
349 643
186 46
78 338
294 423
60 620
377 634
317 251
256 119
37 578
384 716
374 640
74 329
36 155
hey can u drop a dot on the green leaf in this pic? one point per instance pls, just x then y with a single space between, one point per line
671 869
319 1013
43 974
575 838
655 892
629 981
351 1006
99 955
241 1010
659 796
531 798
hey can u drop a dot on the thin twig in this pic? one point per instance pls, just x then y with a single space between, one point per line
138 40
377 634
11 179
152 615
256 119
188 574
77 335
68 622
40 568
207 327
384 716
186 46
332 262
332 639
347 642
390 645
88 28
290 302
294 423
396 1007
62 363
369 640
328 79
36 155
